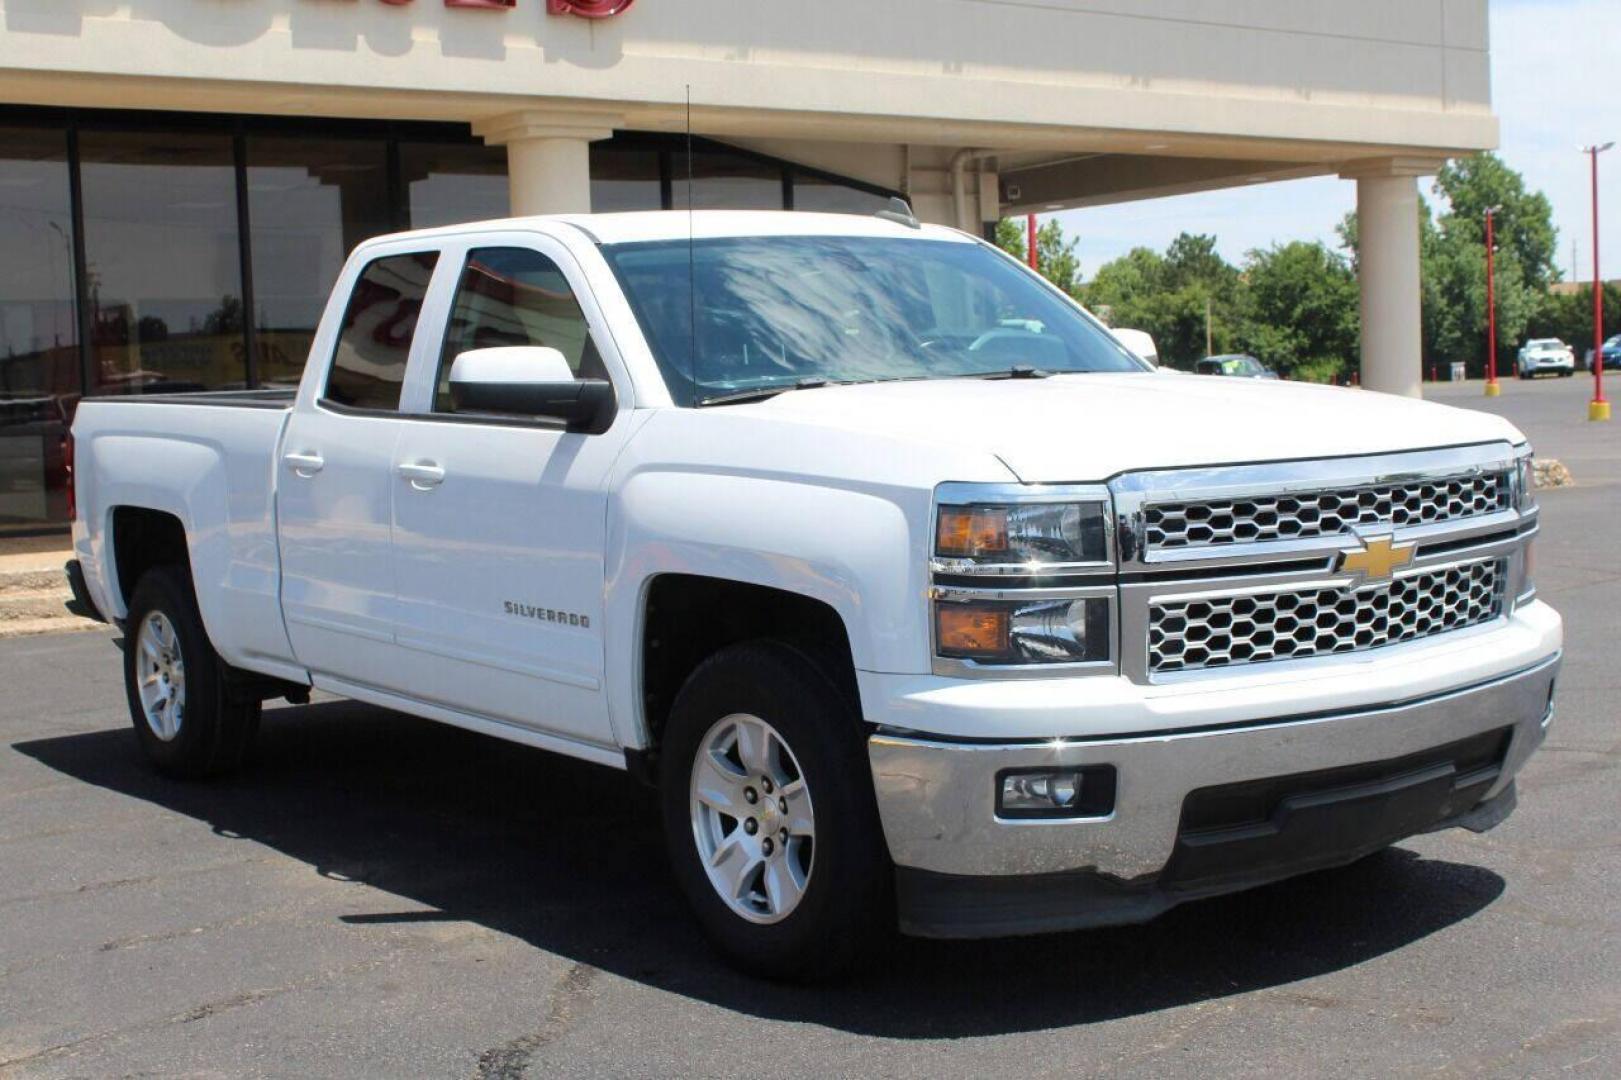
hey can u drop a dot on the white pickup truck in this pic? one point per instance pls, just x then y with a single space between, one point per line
922 600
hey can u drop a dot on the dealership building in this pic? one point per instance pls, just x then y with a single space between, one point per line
180 180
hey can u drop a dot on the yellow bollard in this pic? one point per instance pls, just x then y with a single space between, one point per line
1598 410
1494 389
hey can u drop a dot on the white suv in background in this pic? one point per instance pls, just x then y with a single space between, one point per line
1546 354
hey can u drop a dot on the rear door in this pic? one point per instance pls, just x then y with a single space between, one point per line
336 485
500 522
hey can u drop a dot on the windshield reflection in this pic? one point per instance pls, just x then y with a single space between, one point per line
762 311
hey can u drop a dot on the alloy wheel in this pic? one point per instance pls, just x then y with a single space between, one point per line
161 671
752 818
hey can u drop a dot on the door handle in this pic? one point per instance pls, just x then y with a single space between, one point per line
423 475
305 465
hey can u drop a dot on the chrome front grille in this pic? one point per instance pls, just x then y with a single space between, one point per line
1254 627
1329 512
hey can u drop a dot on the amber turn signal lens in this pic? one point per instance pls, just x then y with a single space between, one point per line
971 531
972 631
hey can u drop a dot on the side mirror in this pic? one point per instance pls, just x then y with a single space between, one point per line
1138 342
530 380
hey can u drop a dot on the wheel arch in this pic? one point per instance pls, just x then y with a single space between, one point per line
685 618
142 538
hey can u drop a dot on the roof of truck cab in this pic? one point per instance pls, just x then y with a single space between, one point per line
647 225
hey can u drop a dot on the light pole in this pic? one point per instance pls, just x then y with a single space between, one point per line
1598 408
1492 389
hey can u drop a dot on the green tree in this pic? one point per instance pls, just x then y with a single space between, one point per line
1301 310
1192 260
1523 223
1169 295
1055 253
1010 238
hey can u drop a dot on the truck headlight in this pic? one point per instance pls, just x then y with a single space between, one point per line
1525 482
1525 501
1033 631
1029 535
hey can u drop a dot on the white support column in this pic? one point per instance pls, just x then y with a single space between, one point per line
548 156
1388 272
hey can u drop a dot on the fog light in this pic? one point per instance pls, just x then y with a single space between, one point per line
1075 792
1041 791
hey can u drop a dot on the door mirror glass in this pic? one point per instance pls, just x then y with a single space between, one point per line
529 381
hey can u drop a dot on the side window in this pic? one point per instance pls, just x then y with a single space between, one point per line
515 296
368 366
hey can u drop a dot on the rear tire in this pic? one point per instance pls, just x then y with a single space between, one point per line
805 893
186 720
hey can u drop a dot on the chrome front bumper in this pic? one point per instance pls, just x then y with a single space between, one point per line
936 796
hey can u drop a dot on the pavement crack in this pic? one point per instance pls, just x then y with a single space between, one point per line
197 1012
120 883
235 1001
511 1060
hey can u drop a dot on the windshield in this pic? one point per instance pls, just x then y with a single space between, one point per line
787 310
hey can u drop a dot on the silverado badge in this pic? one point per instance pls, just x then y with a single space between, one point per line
1376 559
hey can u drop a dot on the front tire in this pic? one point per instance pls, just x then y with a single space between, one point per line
769 816
186 720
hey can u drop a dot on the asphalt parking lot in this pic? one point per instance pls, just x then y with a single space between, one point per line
381 896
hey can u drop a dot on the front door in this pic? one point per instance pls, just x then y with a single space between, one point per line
335 488
499 523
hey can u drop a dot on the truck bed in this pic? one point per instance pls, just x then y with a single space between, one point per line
209 461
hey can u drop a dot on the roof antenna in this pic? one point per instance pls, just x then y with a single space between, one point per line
692 271
900 211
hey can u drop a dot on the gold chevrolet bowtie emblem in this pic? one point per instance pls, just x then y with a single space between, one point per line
1377 558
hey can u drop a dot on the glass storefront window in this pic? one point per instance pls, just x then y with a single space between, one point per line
829 196
164 300
723 181
452 183
165 272
625 178
39 355
310 201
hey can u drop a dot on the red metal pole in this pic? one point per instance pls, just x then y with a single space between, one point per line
1598 404
1030 225
1491 309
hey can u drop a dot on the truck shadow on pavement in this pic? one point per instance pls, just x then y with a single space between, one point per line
567 857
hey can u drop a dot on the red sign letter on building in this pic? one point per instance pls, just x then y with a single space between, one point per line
588 9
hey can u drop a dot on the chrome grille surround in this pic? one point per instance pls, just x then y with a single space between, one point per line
1331 512
1467 571
1253 627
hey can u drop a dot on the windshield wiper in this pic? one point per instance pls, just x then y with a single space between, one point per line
1017 371
760 393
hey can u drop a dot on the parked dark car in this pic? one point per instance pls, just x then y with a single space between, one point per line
1235 366
1612 354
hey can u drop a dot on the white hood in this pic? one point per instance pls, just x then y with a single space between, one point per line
1076 428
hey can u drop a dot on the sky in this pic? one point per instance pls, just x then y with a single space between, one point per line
1554 88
